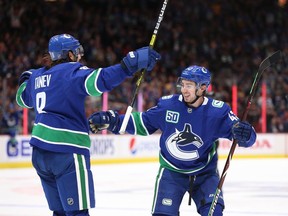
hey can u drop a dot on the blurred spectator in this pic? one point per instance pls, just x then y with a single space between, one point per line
230 38
9 117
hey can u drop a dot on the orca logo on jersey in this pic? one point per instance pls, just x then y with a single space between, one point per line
181 144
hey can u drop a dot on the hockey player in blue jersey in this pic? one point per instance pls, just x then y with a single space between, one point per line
60 135
190 124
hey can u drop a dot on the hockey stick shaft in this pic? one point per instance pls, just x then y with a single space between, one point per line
267 62
139 80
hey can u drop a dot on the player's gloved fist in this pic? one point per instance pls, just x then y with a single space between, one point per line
143 58
242 133
104 120
24 76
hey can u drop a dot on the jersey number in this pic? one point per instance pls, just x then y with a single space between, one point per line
40 101
232 116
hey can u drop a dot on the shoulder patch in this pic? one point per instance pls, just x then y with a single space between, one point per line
83 68
167 97
217 103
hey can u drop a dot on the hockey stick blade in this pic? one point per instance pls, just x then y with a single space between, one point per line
267 62
270 60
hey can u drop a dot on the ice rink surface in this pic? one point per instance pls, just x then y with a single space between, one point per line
252 187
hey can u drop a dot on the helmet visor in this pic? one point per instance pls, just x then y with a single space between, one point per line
79 51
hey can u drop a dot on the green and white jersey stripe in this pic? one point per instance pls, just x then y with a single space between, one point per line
91 83
82 181
156 188
19 98
59 136
139 126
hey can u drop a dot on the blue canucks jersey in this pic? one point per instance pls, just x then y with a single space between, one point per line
187 142
58 96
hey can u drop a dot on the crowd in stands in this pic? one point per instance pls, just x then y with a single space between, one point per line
230 38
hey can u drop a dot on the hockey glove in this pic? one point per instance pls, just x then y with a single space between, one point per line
24 76
99 121
242 133
143 58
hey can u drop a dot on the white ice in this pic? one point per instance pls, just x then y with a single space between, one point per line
252 187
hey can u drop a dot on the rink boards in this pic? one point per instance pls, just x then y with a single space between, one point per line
129 148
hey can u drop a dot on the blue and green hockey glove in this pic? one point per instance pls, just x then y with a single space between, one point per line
143 58
99 121
242 133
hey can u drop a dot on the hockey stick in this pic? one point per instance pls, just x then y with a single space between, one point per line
267 62
139 80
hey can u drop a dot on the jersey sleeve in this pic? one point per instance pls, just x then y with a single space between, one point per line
227 122
226 119
105 79
23 96
144 123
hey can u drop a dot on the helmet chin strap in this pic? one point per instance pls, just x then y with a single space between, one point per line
72 57
197 97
